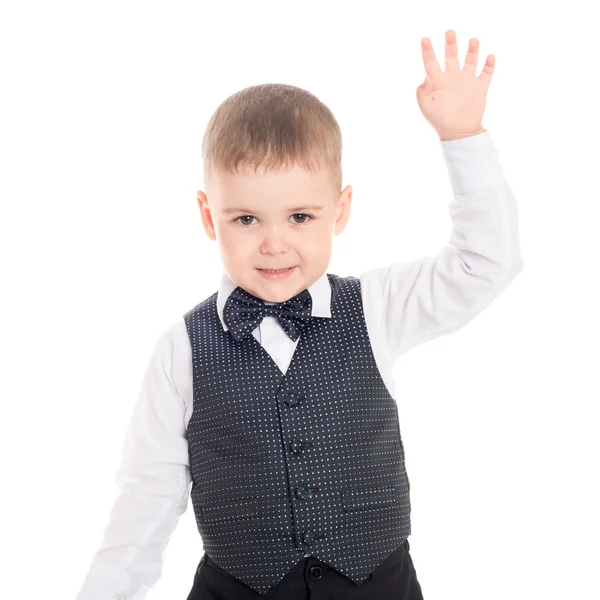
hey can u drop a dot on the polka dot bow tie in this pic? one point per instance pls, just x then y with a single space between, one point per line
244 312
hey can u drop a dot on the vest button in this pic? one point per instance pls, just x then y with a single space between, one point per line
292 400
315 572
296 446
308 536
301 491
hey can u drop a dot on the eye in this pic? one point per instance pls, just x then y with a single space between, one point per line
245 217
303 215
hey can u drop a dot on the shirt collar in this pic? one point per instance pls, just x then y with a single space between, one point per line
320 292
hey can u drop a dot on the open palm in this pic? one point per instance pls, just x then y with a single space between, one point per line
453 101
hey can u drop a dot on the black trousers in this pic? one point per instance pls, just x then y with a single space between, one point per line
311 579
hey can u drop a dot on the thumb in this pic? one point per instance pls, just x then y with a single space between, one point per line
424 89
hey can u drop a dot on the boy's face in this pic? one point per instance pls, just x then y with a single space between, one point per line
274 220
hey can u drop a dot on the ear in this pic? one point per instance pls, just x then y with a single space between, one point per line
343 209
206 215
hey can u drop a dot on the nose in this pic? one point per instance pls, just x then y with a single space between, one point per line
274 241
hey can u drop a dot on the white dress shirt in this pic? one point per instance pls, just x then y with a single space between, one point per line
405 304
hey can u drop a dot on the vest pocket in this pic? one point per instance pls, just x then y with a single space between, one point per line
231 509
368 497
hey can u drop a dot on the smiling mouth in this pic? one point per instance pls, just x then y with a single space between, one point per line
276 270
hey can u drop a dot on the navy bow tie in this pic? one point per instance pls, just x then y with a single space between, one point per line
244 312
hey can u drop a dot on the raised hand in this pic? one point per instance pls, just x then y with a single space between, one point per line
453 101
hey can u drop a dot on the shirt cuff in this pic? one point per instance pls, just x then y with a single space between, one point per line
473 164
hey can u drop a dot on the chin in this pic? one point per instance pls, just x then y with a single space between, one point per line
279 293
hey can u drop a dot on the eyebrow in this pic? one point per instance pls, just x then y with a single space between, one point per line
248 211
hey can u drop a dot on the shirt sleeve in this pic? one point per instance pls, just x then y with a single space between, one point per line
153 480
414 301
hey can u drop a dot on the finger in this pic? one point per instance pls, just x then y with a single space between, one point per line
431 64
488 69
472 56
452 63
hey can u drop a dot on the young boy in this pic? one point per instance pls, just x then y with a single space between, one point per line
274 396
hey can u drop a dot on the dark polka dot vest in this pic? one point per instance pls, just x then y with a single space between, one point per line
307 461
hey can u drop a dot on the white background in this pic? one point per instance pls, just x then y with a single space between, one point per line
103 108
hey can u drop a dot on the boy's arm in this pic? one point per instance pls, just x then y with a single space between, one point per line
153 481
415 301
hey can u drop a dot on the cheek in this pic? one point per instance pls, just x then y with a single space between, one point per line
315 246
321 235
230 237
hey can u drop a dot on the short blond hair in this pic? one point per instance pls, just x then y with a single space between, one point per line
272 126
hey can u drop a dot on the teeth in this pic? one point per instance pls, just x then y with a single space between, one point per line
274 271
